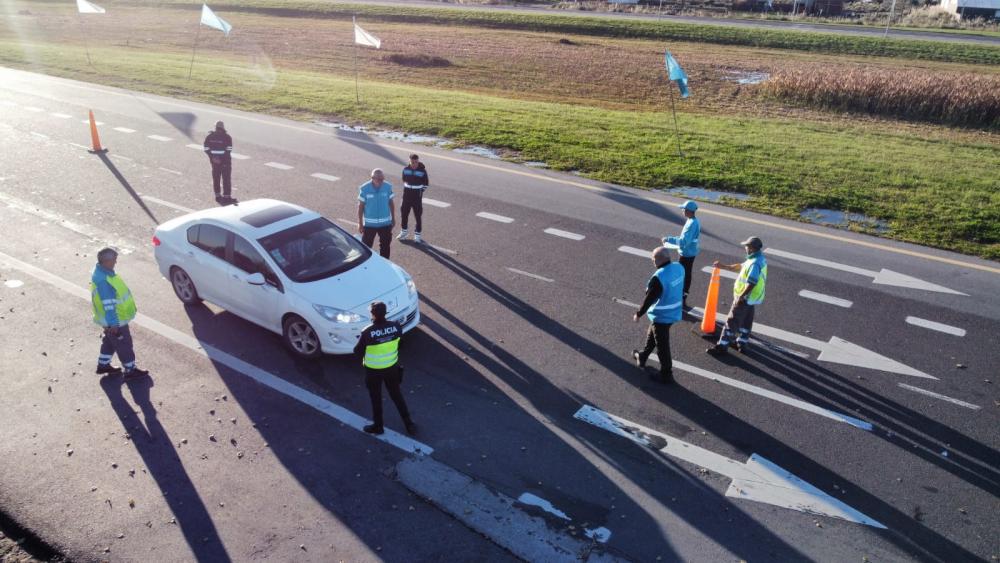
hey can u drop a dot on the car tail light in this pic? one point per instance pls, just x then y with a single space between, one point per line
156 241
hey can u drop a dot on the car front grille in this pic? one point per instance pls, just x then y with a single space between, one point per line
406 318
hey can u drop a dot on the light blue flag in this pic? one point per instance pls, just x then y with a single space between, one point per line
209 18
677 74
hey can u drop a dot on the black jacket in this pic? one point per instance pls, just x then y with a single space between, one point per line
218 144
416 177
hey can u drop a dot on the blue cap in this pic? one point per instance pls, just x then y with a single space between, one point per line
689 206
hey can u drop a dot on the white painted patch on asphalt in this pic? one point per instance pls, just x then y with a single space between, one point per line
62 115
34 109
166 203
333 410
635 251
169 171
940 327
195 147
494 217
435 203
239 156
13 284
124 130
823 298
564 234
939 396
532 500
625 303
757 479
722 272
278 165
326 177
160 138
530 275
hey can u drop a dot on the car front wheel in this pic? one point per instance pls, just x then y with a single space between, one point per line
301 338
184 286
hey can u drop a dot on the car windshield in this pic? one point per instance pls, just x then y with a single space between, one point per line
314 250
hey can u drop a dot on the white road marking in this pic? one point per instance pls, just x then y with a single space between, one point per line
34 109
348 221
120 157
442 249
699 313
940 396
13 284
195 147
635 251
239 156
601 534
494 217
626 303
940 327
564 234
530 275
435 203
278 165
169 171
757 479
87 122
79 146
8 103
826 298
62 115
124 130
160 138
267 379
96 236
326 177
168 204
883 277
722 272
40 135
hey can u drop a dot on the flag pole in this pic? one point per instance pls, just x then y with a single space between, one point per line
86 40
357 93
677 131
889 21
194 49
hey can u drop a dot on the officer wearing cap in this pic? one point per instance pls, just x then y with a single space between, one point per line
663 308
218 147
748 292
380 344
687 243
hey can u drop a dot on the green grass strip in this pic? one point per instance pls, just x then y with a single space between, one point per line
932 191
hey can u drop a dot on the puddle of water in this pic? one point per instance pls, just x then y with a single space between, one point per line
479 151
409 138
535 164
835 218
746 77
702 193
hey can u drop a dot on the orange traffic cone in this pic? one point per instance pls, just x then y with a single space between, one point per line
711 304
94 138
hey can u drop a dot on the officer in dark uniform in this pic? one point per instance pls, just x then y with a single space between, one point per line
218 146
380 344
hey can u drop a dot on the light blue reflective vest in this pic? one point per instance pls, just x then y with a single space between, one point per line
688 241
667 309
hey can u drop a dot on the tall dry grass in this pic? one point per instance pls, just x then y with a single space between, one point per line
964 99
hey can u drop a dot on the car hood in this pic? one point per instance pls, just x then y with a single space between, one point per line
355 289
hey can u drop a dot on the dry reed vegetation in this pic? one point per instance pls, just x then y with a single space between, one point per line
965 99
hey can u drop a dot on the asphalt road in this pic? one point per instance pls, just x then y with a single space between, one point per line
232 451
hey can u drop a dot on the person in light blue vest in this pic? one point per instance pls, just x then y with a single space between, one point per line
376 212
687 243
664 295
748 292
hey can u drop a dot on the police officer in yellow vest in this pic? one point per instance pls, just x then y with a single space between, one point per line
380 344
748 292
114 307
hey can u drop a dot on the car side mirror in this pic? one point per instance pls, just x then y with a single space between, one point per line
256 278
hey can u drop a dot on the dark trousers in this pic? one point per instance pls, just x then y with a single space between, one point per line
223 171
374 378
384 239
121 345
658 337
738 324
412 199
688 263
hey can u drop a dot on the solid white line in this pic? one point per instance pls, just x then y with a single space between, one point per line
435 203
160 138
195 147
564 234
494 217
625 303
124 130
239 156
948 329
34 109
635 251
326 177
169 170
40 135
940 396
530 275
278 165
826 298
282 386
168 204
61 115
722 272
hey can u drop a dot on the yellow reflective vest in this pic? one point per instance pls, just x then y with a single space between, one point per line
112 307
381 345
754 268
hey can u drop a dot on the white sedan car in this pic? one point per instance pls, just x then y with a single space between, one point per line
285 268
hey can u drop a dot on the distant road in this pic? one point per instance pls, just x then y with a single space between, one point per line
768 24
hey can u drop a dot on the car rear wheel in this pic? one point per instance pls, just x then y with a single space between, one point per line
301 338
184 286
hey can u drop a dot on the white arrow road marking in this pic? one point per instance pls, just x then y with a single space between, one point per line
435 203
160 138
278 165
722 272
758 479
635 251
530 275
948 329
824 298
124 130
883 277
564 234
326 177
939 396
494 217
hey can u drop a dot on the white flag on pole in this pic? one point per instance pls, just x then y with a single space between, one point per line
362 37
209 18
85 7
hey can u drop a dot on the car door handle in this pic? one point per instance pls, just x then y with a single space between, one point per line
235 277
190 253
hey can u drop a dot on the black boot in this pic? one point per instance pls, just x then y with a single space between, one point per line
374 429
104 369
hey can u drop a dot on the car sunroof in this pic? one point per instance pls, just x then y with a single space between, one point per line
270 215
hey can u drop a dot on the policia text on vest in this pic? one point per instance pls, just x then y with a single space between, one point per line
379 342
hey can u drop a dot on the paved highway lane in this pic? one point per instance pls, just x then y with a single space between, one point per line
506 359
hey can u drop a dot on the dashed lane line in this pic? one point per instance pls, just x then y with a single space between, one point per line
239 156
940 327
160 138
40 135
530 275
494 217
61 115
124 130
327 177
87 122
33 109
625 303
939 396
722 272
165 203
635 251
564 234
435 203
169 171
195 147
120 157
278 166
79 146
823 298
329 408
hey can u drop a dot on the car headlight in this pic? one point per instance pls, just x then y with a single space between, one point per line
411 287
338 315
